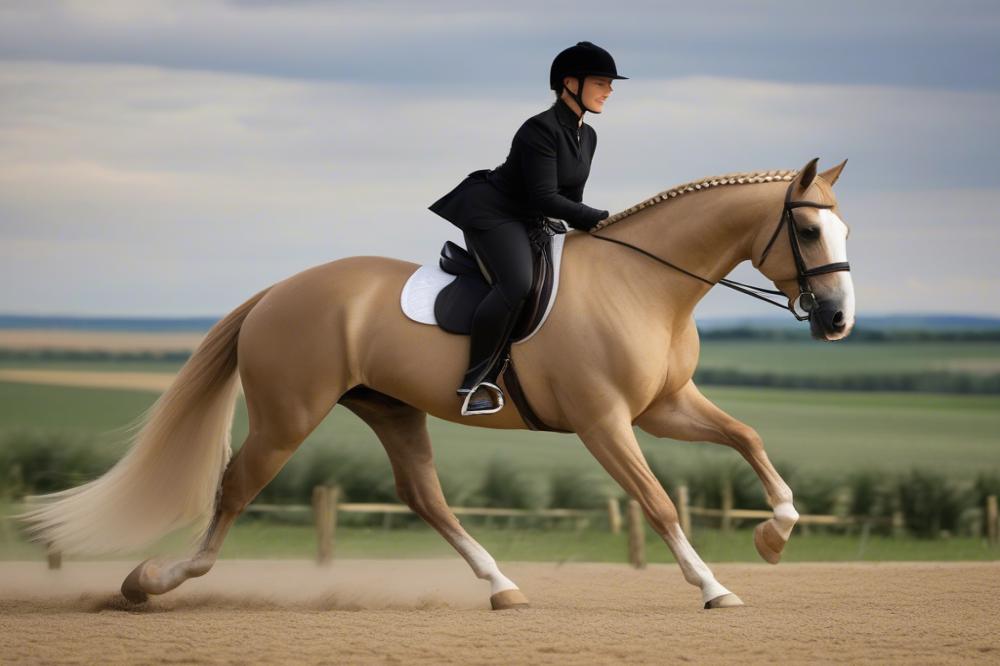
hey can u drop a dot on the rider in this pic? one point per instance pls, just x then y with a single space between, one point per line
543 176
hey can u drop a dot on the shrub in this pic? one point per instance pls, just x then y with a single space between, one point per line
666 473
815 493
873 495
930 503
37 462
503 486
707 480
573 489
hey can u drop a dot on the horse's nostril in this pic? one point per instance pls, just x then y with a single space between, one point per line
838 321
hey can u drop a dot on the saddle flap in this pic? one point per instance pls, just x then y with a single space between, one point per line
456 260
433 296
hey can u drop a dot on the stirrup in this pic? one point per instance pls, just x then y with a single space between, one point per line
480 406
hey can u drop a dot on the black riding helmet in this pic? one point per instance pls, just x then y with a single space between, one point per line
583 60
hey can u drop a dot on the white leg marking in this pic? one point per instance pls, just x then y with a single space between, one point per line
482 563
785 517
695 570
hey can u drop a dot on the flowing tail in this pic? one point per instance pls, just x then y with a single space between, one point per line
171 474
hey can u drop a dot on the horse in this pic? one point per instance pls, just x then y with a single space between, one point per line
618 349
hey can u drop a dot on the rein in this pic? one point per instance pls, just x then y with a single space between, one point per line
806 299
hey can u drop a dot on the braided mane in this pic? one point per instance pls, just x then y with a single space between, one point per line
703 184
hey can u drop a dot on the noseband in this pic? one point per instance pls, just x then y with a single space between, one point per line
806 300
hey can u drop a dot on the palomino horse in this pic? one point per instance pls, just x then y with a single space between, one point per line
619 348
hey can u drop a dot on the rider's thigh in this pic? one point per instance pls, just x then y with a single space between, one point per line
505 250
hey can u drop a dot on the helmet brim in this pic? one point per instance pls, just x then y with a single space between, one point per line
609 75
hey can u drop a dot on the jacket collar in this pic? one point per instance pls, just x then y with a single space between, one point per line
566 115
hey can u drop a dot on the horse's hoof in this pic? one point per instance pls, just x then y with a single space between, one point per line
131 589
725 601
509 599
768 542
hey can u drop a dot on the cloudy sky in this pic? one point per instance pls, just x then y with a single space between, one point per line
173 157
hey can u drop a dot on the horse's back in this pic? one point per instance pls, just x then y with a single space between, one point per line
314 323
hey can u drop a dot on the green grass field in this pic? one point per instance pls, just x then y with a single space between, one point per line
807 357
799 357
257 539
808 431
811 431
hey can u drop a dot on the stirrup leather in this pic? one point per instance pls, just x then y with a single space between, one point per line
493 388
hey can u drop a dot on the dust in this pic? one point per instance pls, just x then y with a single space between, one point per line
248 585
437 612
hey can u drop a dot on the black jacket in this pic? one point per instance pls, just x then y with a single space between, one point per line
544 175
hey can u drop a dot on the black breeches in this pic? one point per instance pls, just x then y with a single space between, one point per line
505 251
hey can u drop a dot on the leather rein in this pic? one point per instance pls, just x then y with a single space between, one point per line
806 299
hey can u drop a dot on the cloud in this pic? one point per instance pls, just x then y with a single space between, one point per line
134 189
447 42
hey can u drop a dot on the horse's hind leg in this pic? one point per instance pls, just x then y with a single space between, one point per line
402 430
264 452
688 415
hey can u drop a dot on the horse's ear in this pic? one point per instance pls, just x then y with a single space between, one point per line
831 175
806 175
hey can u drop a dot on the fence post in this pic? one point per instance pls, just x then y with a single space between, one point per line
614 515
898 524
684 509
53 556
992 524
321 513
333 502
636 536
727 504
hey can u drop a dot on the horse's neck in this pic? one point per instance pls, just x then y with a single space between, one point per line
707 233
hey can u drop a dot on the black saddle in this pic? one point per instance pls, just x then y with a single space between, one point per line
456 303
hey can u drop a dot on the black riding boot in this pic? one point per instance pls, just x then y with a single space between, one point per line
504 252
491 327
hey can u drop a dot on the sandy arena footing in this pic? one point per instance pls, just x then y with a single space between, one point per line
379 611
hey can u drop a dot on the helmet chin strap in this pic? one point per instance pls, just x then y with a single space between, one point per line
578 96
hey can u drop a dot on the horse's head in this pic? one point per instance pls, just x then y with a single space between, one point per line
806 254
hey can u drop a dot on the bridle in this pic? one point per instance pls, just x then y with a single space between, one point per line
806 300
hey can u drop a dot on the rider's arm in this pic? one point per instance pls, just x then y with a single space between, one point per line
538 166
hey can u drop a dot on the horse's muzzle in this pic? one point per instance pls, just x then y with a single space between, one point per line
827 322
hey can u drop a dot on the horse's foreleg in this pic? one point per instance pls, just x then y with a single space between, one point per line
613 443
688 415
402 430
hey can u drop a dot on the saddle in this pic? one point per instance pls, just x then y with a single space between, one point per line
447 293
456 304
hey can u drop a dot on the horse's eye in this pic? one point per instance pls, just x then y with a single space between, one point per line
809 233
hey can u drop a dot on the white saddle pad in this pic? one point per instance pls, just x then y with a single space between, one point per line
421 289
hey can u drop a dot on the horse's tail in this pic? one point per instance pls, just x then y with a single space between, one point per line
172 471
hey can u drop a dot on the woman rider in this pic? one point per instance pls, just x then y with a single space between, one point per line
543 176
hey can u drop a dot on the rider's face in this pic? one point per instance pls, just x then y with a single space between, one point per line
596 90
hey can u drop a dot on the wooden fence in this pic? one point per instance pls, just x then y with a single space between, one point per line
326 507
727 514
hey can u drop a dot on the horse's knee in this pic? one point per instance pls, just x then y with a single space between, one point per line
421 503
743 437
662 515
